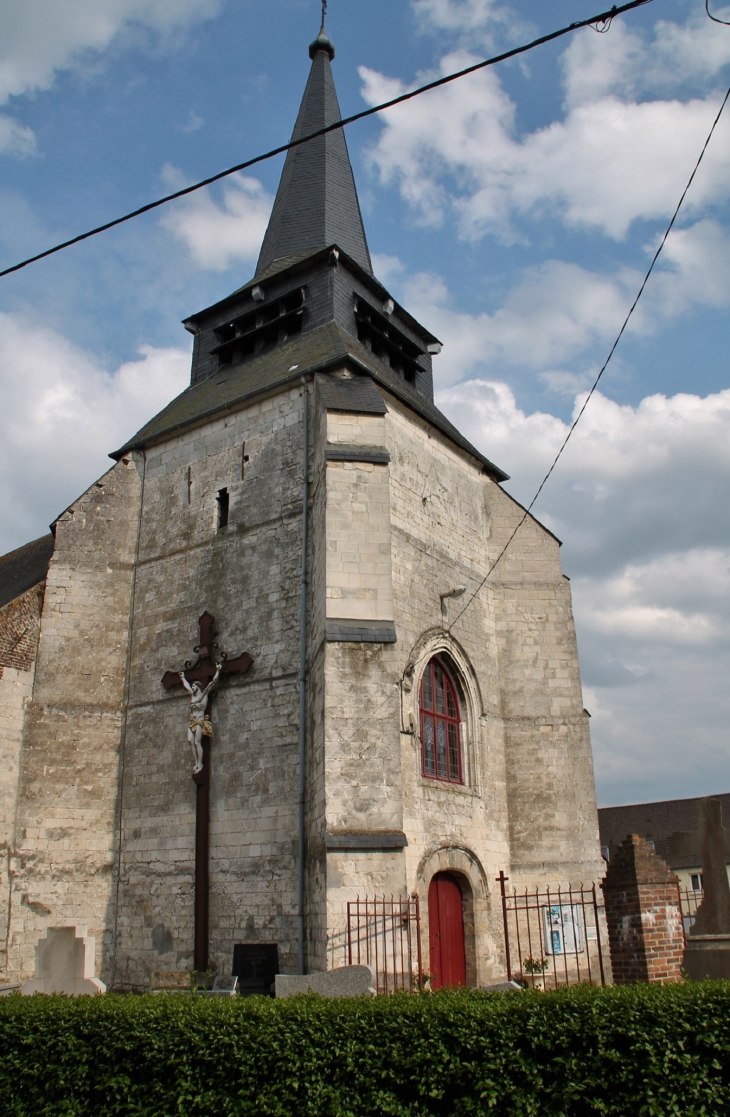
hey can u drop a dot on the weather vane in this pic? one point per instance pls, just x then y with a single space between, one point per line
324 12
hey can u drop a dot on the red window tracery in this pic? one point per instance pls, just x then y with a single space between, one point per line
440 725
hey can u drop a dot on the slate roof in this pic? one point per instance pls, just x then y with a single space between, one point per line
289 266
24 568
316 203
316 350
659 822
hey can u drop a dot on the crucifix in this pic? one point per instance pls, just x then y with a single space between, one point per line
200 678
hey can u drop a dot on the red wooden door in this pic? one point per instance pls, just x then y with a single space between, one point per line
446 932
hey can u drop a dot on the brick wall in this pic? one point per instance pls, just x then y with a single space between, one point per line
643 915
19 630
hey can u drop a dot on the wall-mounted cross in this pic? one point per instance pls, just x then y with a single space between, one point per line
203 670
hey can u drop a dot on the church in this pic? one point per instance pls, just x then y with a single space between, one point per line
255 673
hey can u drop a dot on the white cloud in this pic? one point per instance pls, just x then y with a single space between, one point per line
625 64
678 600
41 37
553 314
608 163
467 17
218 236
16 139
387 268
654 659
634 483
63 413
557 310
640 500
192 123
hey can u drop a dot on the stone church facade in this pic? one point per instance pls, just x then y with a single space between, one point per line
438 744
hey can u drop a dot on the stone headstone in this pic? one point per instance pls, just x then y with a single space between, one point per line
65 961
255 965
505 986
707 953
348 981
224 985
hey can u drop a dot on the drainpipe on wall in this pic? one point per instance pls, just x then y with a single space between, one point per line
303 677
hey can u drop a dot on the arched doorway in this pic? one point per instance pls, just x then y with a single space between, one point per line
446 931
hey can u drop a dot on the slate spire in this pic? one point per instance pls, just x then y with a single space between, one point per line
316 203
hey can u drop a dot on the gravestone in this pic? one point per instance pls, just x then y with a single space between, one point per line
707 953
223 986
255 965
506 986
347 981
65 961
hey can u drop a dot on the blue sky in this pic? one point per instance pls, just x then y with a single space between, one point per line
513 212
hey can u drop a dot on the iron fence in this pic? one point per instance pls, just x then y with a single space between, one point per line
386 934
689 901
552 935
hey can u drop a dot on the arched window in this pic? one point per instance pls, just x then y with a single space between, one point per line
440 725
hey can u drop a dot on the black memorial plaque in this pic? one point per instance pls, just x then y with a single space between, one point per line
255 965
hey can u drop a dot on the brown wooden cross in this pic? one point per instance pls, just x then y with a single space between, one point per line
202 670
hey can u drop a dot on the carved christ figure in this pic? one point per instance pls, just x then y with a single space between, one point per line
199 725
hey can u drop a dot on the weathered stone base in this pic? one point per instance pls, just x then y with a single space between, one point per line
65 964
707 956
348 981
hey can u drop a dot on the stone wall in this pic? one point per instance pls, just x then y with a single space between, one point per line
67 793
19 625
359 570
527 803
247 574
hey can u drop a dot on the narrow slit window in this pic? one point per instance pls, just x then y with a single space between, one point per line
244 460
223 505
190 484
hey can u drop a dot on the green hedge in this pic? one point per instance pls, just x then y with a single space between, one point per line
638 1050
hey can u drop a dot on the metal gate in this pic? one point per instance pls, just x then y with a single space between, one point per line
552 935
386 934
689 901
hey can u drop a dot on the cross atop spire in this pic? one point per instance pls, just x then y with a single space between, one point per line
316 203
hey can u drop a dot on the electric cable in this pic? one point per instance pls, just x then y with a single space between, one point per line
724 22
601 18
611 352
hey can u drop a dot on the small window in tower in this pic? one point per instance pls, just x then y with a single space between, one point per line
223 504
244 460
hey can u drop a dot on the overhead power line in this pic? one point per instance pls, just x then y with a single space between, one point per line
602 18
611 352
724 22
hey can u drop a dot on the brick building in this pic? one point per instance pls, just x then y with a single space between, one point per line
672 828
437 746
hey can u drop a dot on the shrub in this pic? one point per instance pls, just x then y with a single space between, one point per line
639 1050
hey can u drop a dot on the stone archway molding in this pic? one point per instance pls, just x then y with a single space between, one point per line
467 868
439 642
431 643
